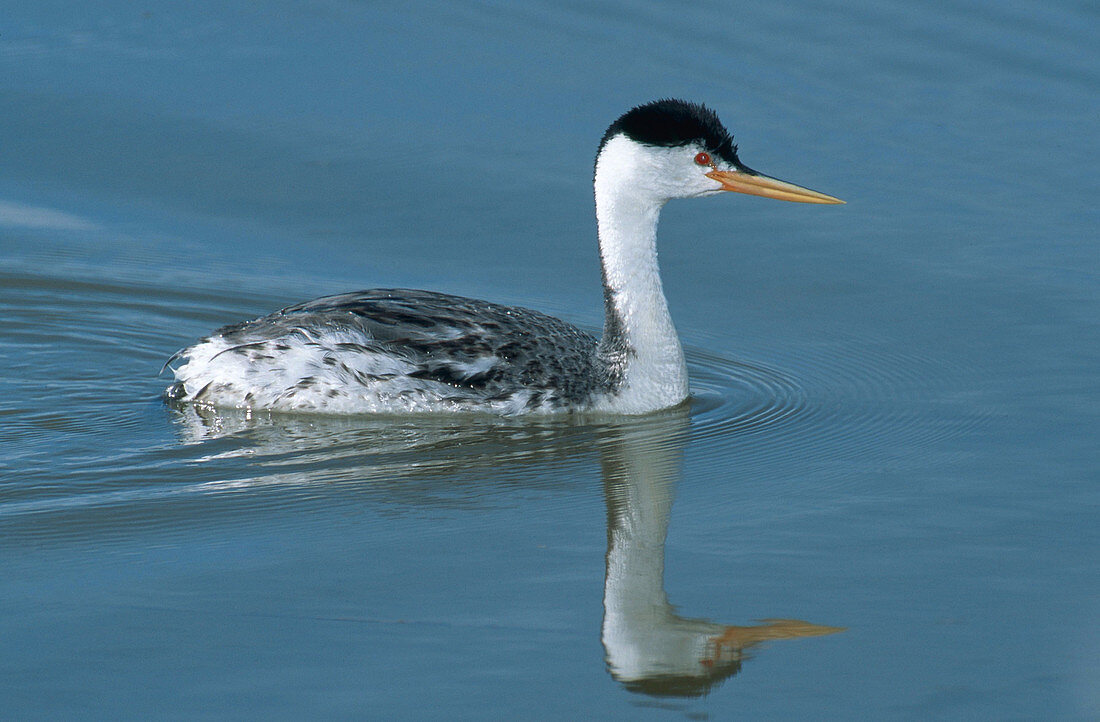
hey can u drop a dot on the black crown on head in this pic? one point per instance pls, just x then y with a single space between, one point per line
671 123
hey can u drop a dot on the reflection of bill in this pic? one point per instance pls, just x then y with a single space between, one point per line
649 647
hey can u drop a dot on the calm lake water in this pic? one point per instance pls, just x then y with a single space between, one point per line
880 504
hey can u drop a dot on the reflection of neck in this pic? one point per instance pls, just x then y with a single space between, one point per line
642 635
634 586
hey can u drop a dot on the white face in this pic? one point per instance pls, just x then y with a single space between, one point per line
657 174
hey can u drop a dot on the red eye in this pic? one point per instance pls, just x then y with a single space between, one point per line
703 159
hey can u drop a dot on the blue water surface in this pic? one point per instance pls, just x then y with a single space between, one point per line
881 502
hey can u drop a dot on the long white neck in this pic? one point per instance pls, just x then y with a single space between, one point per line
637 326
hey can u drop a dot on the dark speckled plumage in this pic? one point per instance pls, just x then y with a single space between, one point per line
441 334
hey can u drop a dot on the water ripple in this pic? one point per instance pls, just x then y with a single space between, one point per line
828 402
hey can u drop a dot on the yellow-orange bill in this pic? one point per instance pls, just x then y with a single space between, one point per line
762 185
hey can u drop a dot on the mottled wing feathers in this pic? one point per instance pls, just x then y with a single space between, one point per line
475 349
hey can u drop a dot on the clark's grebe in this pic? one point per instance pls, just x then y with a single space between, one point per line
396 350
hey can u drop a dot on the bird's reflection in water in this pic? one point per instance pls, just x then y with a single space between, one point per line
649 647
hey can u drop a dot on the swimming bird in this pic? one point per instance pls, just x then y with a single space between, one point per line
400 350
